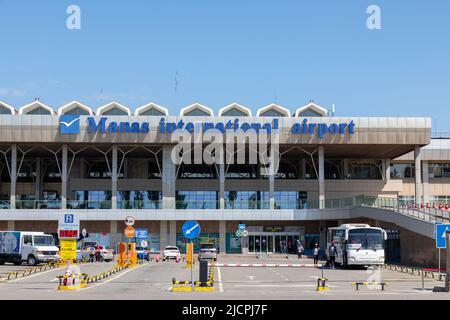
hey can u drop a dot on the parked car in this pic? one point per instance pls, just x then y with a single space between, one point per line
106 254
143 253
207 251
171 252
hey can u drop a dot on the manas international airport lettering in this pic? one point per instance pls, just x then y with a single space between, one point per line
302 128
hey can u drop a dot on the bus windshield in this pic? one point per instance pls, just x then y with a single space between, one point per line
366 239
43 241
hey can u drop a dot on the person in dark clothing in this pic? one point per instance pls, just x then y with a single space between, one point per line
332 252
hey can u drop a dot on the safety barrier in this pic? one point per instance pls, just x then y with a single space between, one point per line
33 270
199 286
365 283
70 282
426 272
322 284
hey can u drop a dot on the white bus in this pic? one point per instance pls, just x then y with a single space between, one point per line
357 244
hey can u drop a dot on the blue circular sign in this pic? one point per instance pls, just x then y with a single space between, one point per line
191 229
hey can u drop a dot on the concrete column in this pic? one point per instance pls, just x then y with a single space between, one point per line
272 191
303 164
345 168
11 225
37 186
168 178
162 234
173 233
321 178
323 235
13 176
64 178
222 236
221 186
418 174
114 178
387 169
426 189
113 233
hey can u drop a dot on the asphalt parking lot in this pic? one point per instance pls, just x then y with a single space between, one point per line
153 280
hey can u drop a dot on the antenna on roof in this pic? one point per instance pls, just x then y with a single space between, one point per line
333 110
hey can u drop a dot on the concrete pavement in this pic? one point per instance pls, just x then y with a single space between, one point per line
152 280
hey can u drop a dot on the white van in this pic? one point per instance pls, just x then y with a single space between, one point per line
32 247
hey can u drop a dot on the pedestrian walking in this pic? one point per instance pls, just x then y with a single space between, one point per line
316 250
332 252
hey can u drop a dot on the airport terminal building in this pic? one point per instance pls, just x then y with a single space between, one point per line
107 164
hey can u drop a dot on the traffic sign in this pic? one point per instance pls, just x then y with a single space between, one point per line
241 227
191 229
141 233
68 226
245 233
68 249
441 229
129 221
130 232
144 243
238 233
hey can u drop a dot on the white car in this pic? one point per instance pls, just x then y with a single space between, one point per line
171 252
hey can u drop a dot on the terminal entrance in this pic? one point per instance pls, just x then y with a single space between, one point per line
273 242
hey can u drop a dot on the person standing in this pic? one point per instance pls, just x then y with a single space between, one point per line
91 254
332 252
299 249
316 250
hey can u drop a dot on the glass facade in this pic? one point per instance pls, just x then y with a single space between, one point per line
368 170
439 170
139 199
290 200
197 200
91 200
247 200
402 170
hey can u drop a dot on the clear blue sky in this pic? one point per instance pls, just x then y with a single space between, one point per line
231 51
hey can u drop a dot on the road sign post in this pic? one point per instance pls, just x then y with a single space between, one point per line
191 229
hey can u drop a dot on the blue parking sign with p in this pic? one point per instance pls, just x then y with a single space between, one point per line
441 230
68 218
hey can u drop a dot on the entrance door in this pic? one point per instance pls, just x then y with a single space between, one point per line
251 243
270 244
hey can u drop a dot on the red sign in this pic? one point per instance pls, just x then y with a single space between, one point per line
68 233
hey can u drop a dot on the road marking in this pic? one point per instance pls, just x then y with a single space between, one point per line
116 277
219 275
250 277
274 285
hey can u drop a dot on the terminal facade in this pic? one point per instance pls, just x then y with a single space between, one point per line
113 163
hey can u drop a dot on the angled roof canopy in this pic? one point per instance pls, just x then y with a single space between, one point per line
151 109
75 107
196 109
36 107
235 110
6 108
311 110
113 109
273 110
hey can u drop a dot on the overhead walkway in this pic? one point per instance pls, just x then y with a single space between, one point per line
412 217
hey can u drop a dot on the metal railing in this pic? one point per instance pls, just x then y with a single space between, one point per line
419 211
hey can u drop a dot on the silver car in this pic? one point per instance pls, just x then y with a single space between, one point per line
207 251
